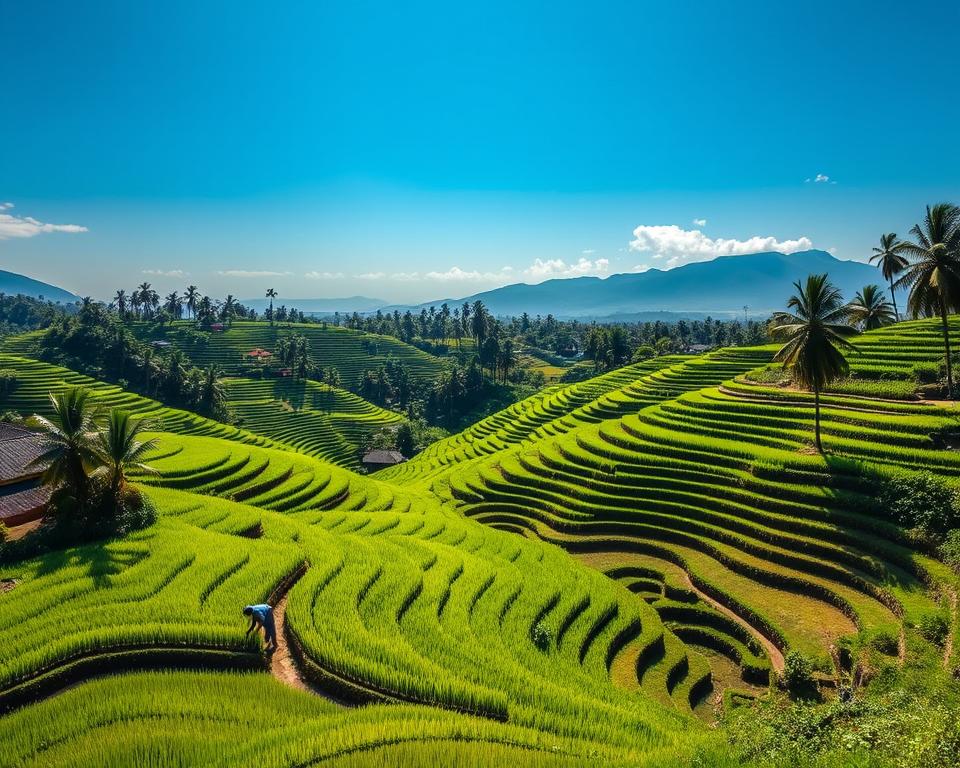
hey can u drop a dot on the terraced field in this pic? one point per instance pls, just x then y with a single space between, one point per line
558 410
316 419
350 352
573 581
36 380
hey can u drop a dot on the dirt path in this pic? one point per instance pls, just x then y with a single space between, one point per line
283 663
775 654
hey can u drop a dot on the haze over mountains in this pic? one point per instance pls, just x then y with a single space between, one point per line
12 284
760 281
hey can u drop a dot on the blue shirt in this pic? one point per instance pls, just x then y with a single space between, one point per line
261 612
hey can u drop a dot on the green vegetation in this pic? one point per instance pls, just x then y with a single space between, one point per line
593 575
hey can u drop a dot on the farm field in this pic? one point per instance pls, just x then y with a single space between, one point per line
588 577
349 352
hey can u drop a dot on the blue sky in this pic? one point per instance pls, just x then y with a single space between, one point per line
412 151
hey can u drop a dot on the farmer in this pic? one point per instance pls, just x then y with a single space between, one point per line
261 617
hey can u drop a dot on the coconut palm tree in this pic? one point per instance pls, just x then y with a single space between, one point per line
212 395
149 298
889 257
174 305
229 309
933 274
120 448
69 439
190 297
815 331
120 302
869 310
271 294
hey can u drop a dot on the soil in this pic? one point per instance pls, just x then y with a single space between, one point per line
283 662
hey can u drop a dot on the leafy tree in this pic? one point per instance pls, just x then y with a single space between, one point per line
889 257
933 274
869 310
815 332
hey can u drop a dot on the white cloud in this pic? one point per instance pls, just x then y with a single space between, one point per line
820 178
700 222
457 275
27 226
252 273
588 251
371 276
165 272
683 246
315 275
545 270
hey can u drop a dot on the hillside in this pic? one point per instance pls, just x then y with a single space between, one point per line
350 352
11 283
589 577
725 285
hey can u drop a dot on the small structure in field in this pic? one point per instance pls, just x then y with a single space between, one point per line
22 498
381 459
259 354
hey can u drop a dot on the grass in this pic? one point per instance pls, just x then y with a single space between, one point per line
710 541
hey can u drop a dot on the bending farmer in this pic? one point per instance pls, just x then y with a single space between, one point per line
261 616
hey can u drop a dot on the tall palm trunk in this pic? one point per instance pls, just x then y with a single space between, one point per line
946 344
816 417
893 297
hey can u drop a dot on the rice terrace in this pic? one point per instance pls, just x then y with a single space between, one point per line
566 495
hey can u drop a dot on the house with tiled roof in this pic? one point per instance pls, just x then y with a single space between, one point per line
381 459
22 497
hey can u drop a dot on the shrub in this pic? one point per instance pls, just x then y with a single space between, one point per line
8 382
541 636
950 549
921 501
644 352
886 642
797 673
934 627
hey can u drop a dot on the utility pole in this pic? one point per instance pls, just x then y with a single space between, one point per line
745 308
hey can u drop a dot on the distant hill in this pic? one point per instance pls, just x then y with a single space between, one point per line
320 306
761 281
12 284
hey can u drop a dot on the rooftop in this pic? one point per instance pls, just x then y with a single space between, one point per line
381 456
19 447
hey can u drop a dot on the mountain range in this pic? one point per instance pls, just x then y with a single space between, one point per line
761 282
13 284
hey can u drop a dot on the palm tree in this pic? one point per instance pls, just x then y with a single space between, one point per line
212 395
271 294
815 332
190 299
890 259
149 298
120 448
120 301
933 274
174 305
229 307
69 443
869 310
